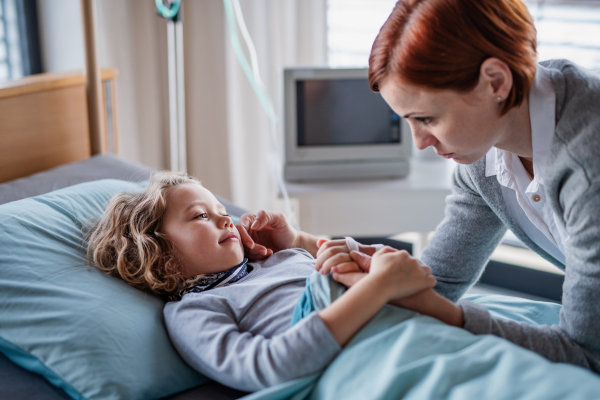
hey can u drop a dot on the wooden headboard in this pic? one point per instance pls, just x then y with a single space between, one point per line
44 122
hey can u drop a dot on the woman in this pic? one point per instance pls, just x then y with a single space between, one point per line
464 74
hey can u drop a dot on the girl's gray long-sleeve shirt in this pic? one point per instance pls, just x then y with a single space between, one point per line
477 218
240 335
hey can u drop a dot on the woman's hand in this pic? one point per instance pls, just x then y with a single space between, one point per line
265 233
426 302
334 255
400 273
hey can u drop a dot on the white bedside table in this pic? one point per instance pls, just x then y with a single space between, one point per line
376 207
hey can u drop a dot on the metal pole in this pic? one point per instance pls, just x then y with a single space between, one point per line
180 96
173 126
177 135
93 80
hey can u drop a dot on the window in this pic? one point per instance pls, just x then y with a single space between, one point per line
566 29
10 56
19 42
352 26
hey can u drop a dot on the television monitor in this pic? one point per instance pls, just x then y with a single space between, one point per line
337 128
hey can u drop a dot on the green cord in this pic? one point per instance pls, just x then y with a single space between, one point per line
166 11
244 63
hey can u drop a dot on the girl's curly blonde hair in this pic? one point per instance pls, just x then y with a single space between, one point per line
127 243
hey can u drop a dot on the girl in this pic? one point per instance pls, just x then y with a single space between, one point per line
227 317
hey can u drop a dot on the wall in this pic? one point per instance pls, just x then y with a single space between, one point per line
132 39
61 36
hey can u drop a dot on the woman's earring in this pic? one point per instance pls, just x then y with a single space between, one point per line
499 98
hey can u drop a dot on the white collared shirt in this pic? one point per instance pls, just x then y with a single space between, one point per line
530 193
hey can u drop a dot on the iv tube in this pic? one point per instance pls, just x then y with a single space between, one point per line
253 76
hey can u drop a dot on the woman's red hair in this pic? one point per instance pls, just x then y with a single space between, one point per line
441 44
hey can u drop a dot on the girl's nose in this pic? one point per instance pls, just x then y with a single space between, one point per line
226 222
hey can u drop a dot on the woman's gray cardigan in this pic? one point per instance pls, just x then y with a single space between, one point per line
477 218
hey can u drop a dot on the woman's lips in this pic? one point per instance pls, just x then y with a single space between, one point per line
447 155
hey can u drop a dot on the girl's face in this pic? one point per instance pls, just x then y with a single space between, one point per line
461 126
204 237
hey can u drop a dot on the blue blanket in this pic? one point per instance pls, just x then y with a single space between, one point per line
402 354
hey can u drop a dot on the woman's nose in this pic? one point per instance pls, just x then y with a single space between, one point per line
422 138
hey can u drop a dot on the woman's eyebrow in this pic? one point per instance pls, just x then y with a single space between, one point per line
413 113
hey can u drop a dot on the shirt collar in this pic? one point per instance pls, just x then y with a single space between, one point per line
203 282
542 104
490 162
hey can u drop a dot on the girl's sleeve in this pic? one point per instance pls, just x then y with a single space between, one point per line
213 344
465 239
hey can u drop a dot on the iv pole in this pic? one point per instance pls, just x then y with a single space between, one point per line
172 11
93 79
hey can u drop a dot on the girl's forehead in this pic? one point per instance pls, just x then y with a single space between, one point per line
184 196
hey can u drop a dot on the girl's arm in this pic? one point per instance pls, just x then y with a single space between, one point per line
393 274
210 339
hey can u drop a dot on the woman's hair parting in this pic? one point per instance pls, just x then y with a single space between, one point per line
126 242
441 44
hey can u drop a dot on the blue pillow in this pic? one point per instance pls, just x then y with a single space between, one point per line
90 334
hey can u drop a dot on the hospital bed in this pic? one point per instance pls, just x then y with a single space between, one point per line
45 147
68 331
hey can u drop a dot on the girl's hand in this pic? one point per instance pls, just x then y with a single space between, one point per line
399 273
265 233
349 278
334 255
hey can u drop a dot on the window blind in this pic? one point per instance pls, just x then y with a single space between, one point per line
566 29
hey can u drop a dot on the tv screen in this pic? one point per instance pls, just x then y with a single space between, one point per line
343 112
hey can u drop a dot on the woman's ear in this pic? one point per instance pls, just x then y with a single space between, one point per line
496 77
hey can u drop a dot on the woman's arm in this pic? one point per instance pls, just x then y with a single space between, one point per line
429 302
555 342
467 236
576 339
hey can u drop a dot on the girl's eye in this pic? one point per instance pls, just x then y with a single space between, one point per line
225 215
424 120
203 215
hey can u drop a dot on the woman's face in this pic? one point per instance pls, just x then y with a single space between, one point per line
204 236
461 126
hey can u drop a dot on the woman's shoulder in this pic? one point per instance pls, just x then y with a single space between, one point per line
577 94
577 134
573 165
568 76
